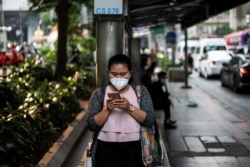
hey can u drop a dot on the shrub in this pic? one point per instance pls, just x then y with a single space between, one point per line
35 109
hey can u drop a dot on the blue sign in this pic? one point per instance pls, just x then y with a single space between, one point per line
171 37
110 7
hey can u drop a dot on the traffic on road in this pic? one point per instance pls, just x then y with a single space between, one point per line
237 101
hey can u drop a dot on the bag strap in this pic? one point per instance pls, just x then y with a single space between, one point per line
138 93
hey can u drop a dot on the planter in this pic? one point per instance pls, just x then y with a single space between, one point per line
61 150
84 104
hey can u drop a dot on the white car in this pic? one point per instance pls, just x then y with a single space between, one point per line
207 44
211 62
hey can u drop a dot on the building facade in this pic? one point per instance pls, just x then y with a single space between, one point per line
21 22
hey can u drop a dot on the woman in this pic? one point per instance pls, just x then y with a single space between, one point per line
118 121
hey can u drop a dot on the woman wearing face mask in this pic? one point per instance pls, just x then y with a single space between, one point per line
118 121
160 96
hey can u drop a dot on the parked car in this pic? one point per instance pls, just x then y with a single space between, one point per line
207 44
211 62
236 73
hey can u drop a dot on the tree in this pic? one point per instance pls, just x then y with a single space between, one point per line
248 8
221 31
62 8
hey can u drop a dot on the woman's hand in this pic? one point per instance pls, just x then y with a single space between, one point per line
121 103
110 104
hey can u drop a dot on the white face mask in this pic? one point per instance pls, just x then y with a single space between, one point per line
119 83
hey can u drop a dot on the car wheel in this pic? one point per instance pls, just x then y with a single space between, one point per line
205 74
236 85
200 74
222 81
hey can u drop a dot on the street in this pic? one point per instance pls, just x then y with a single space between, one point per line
238 103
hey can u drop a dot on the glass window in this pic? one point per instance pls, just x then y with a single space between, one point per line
198 50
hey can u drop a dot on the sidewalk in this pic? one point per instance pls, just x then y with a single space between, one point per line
206 134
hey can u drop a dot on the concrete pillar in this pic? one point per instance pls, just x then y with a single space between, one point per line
186 86
238 17
33 22
110 41
134 54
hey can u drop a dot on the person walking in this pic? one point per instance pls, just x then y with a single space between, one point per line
160 97
117 119
190 64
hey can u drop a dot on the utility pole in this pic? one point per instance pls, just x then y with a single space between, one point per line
186 86
21 25
2 27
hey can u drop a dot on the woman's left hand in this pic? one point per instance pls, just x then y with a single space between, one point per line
122 103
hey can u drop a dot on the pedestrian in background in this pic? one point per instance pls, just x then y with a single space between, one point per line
190 63
160 97
76 58
117 120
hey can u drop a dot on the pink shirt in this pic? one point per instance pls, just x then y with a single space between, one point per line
120 126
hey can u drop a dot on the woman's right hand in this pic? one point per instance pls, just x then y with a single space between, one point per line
110 104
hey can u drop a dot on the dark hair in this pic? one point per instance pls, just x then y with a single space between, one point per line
120 59
162 74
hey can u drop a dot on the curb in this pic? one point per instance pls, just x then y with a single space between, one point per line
61 150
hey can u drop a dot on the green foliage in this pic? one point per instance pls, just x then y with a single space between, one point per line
86 46
165 63
243 27
83 80
35 109
48 54
248 8
224 30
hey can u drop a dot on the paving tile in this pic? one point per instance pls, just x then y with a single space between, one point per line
226 164
183 162
205 159
216 150
226 139
245 127
239 134
227 159
245 142
236 148
208 139
194 144
244 161
177 144
213 145
208 164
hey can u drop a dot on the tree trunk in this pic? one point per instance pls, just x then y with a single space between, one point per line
62 10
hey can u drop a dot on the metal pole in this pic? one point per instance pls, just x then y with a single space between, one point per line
21 25
110 41
186 60
4 39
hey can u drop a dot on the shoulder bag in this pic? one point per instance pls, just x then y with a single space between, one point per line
147 135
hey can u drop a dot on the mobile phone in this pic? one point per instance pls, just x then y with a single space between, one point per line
115 95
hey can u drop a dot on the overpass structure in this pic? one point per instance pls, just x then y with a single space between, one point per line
183 12
118 26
